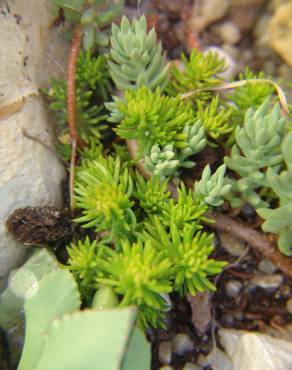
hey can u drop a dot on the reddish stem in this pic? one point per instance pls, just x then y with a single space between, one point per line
71 86
254 238
71 106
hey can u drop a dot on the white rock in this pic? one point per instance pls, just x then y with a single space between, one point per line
217 359
254 351
31 172
206 12
229 32
164 352
182 343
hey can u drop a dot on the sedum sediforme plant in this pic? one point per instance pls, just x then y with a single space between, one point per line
188 251
257 148
139 274
136 58
279 220
103 193
152 118
250 95
215 118
212 188
199 71
94 16
92 88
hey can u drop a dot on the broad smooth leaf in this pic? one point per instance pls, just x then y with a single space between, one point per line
88 340
138 355
57 295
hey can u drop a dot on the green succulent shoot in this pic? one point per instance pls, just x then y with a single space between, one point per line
279 220
162 163
201 70
258 146
82 263
103 193
215 118
152 118
188 251
140 275
212 187
136 57
186 209
92 88
152 194
94 16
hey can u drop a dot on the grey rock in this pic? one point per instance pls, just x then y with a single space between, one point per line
267 266
164 352
233 288
255 351
233 246
268 282
182 343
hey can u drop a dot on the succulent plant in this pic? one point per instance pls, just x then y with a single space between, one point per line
94 16
212 187
188 251
279 220
103 192
201 70
136 58
258 146
140 275
162 162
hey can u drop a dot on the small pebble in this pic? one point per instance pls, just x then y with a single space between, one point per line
267 282
289 305
229 32
233 288
203 360
164 352
267 266
231 66
190 366
228 319
182 343
233 246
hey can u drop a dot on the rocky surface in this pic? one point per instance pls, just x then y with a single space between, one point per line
281 30
254 351
31 172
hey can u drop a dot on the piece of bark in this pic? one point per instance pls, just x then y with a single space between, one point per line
201 311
